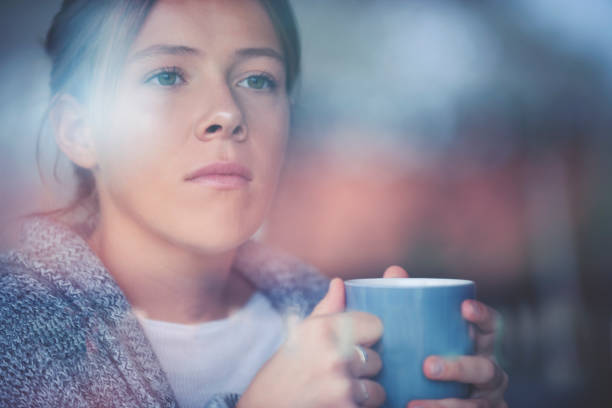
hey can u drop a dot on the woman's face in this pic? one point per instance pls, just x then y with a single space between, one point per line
203 84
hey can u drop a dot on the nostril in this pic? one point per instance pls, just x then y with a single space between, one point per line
213 128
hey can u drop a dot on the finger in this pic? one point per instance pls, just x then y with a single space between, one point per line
365 362
484 318
492 392
333 302
486 324
484 343
395 272
451 403
367 393
356 327
477 370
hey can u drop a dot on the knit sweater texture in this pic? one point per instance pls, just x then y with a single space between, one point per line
68 337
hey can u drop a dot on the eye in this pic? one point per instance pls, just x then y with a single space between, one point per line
167 77
258 82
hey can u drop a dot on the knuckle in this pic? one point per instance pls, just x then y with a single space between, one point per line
376 361
370 322
336 392
304 329
378 395
321 327
487 314
480 403
455 369
355 368
343 390
376 325
505 380
333 361
489 370
361 391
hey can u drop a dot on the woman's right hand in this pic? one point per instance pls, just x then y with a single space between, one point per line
319 365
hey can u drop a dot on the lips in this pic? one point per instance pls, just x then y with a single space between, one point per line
223 175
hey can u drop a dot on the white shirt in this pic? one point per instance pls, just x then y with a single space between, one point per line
219 356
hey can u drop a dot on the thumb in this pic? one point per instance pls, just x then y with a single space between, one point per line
395 272
333 302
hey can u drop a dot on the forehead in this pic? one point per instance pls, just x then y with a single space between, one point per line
208 24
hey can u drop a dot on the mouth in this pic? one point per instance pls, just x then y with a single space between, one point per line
221 175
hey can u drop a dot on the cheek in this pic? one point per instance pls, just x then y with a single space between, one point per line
139 140
269 129
268 154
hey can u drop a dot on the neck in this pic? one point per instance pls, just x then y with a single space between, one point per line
165 281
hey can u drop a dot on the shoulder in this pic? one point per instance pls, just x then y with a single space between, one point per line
61 314
51 256
36 311
41 334
50 288
24 293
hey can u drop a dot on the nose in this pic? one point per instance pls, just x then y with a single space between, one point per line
223 119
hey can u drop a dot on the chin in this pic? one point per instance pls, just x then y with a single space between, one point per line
219 238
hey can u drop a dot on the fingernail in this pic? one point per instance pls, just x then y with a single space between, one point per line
435 368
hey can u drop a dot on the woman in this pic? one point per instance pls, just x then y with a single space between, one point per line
175 115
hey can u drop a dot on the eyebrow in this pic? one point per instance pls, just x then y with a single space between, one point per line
167 49
261 52
164 49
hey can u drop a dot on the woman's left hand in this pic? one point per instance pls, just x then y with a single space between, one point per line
489 382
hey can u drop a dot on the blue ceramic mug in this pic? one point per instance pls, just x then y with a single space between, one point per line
421 317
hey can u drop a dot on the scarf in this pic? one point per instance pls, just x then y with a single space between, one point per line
68 337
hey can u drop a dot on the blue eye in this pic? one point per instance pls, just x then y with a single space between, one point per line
258 82
167 77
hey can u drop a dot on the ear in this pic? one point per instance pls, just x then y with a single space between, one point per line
73 133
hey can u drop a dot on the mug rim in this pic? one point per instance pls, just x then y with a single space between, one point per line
408 283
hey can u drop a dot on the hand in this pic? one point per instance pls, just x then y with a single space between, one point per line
489 381
319 365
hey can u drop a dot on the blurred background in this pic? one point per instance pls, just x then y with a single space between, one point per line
466 139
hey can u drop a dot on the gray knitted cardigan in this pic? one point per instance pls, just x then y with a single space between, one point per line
69 339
